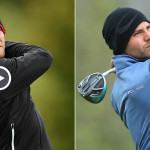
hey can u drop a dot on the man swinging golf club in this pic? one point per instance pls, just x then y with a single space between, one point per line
21 125
127 32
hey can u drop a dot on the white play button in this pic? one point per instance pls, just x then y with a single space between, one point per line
5 78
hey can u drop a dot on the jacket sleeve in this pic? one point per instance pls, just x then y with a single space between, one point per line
25 63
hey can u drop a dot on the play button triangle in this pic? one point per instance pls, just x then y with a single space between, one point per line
1 78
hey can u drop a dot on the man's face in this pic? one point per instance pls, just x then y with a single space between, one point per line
139 43
2 44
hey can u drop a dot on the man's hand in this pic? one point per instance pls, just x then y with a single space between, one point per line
112 64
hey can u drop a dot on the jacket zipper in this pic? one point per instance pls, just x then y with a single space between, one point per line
13 136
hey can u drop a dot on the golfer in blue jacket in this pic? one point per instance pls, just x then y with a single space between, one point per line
127 32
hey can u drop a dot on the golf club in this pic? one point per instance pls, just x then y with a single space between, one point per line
93 87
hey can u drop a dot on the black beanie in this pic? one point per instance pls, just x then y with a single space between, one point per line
119 27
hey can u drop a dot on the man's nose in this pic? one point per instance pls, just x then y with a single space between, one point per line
147 36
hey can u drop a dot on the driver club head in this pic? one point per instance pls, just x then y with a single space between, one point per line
93 88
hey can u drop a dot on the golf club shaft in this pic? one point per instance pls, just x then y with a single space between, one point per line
113 70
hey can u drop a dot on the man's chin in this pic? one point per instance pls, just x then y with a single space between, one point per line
2 55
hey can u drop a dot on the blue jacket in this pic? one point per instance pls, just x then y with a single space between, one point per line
131 97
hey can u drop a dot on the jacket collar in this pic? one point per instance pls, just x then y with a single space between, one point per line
124 61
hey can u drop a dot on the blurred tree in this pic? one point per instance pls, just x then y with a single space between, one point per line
49 24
